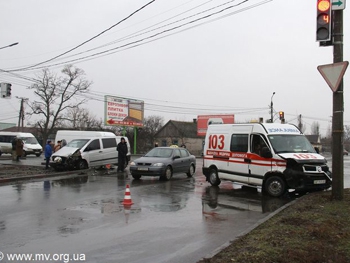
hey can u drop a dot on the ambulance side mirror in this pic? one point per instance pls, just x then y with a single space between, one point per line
266 153
317 149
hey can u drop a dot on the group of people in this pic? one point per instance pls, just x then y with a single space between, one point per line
49 151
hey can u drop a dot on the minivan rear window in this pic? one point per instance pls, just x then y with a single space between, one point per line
6 138
109 143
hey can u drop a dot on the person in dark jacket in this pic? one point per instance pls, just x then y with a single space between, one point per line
48 153
14 145
122 149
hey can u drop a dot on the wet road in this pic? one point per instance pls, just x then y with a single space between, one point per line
181 220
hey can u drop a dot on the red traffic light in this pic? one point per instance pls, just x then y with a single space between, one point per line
281 113
323 5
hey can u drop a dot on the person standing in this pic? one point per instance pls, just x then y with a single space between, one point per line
122 149
48 153
19 148
57 146
14 145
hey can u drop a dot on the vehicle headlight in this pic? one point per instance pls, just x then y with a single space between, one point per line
158 164
132 163
57 159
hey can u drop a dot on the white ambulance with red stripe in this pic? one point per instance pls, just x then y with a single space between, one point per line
275 157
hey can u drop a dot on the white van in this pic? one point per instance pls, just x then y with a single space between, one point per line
276 157
85 153
31 144
69 135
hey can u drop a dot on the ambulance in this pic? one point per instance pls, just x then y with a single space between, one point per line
271 156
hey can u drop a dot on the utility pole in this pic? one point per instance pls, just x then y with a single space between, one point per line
21 113
272 106
300 123
338 112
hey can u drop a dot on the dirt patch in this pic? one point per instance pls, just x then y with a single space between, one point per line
10 171
315 229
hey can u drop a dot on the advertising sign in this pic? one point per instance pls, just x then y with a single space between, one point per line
123 112
203 121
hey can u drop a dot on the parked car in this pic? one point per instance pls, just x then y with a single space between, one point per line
164 162
345 152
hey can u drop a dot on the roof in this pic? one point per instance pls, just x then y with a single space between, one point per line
178 128
22 129
313 138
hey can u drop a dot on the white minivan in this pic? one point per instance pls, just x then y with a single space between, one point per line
31 144
69 135
275 157
86 152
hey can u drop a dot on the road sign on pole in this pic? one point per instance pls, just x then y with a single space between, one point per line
338 4
333 73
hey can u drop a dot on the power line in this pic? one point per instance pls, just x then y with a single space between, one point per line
92 38
139 42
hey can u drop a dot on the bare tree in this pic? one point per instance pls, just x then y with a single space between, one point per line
82 119
145 135
315 128
56 95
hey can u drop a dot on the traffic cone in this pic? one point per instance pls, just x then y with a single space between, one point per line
127 198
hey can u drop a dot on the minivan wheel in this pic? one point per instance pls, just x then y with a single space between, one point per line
275 186
191 171
213 177
38 154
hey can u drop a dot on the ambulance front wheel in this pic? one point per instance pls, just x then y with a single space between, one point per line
275 186
213 177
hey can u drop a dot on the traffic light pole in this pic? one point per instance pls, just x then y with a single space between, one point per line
338 112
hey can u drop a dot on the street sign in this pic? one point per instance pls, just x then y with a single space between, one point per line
333 73
338 4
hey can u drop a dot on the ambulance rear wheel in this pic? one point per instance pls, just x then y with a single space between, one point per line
213 177
275 186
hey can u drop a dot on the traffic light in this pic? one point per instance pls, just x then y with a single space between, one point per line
281 113
8 90
324 22
5 90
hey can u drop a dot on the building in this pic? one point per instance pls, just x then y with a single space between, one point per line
315 140
180 133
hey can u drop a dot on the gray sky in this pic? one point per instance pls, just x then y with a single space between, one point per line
181 64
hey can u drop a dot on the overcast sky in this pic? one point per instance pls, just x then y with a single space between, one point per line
183 58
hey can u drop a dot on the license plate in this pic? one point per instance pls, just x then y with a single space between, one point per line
319 181
142 169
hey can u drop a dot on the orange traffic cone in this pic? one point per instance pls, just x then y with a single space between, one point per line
127 198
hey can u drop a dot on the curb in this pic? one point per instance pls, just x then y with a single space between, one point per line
29 177
248 230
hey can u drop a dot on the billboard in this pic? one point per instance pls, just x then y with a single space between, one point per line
203 121
123 112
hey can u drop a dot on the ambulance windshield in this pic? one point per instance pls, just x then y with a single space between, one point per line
291 144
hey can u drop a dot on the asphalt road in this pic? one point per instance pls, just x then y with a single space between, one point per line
181 220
